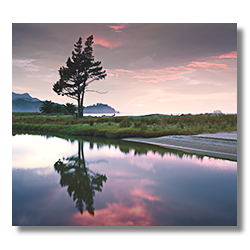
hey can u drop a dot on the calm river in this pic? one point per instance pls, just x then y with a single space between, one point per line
83 182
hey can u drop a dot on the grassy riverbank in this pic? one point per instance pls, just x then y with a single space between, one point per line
123 127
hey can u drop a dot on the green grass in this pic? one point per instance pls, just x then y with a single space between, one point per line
122 127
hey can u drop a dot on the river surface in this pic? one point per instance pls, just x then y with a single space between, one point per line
89 182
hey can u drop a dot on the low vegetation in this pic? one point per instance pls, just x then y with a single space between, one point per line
122 127
49 107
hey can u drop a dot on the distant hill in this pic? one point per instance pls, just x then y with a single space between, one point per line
25 95
217 112
99 108
26 103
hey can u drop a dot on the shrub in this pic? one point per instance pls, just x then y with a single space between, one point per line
116 119
163 125
58 109
48 120
166 126
100 132
91 122
146 120
47 106
154 127
99 120
154 120
181 125
114 134
126 123
70 108
137 123
144 126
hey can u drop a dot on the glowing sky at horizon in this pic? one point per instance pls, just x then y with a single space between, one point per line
151 68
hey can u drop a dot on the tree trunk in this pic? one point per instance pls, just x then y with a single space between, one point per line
81 102
80 97
79 113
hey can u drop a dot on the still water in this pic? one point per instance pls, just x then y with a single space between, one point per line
82 182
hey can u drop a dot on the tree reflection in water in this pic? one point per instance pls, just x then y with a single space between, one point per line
81 181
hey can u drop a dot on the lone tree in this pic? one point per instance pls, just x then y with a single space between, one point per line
79 72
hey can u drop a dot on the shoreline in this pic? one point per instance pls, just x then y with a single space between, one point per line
220 145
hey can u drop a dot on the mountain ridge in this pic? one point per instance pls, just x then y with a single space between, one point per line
25 95
26 103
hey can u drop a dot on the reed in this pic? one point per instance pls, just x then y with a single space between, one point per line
122 127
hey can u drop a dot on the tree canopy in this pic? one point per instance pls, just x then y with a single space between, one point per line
47 106
79 72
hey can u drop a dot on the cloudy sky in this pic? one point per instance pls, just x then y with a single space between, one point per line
151 68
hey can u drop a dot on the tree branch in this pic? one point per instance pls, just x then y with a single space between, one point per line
69 94
68 89
97 91
91 81
75 98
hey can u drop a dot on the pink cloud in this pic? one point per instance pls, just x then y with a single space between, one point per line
152 75
206 65
149 81
174 73
143 194
118 28
230 55
105 43
124 70
110 74
116 214
161 75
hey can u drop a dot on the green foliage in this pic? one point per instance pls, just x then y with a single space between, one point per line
137 123
46 107
155 127
126 123
79 72
91 122
58 109
117 119
144 126
100 120
154 120
107 127
70 108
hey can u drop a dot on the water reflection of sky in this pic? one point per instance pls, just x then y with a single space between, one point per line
38 151
140 189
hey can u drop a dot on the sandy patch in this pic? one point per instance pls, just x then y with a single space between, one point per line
219 145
